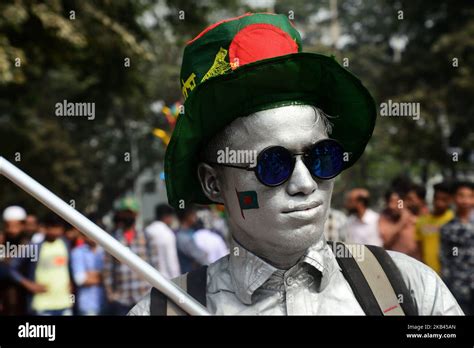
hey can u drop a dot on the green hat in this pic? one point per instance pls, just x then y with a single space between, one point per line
251 63
128 203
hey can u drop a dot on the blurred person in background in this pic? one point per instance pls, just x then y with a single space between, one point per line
397 225
208 239
220 223
189 254
87 266
362 224
123 286
73 235
212 219
12 294
414 199
457 248
335 226
32 229
14 225
161 233
428 227
4 282
49 278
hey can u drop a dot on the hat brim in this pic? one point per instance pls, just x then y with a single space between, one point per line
300 78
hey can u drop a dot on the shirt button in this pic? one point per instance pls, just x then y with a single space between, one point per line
289 281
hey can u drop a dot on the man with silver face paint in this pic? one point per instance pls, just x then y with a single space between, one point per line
260 94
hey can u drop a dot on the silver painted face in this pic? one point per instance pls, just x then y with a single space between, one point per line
290 217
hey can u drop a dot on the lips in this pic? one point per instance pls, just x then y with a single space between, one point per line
304 207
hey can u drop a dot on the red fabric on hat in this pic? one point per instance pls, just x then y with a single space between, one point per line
212 26
260 41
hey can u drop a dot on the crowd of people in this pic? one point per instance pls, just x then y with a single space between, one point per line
47 267
60 271
442 237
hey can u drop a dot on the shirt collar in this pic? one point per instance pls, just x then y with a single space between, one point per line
249 272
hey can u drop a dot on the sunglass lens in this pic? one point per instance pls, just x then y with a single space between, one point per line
326 159
274 166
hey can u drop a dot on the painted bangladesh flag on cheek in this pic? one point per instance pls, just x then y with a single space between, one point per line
247 200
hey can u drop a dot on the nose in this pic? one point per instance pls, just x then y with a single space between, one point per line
301 182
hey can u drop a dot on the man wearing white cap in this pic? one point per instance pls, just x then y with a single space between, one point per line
13 221
12 296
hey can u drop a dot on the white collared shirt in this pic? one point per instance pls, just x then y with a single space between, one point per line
243 284
165 241
211 243
365 230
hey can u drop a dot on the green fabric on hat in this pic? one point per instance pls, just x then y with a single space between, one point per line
200 54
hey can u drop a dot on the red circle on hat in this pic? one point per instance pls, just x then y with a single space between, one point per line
259 41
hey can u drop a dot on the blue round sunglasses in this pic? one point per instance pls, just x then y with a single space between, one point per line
275 164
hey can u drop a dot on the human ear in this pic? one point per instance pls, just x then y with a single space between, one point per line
209 182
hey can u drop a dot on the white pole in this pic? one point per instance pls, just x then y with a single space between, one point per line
109 243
